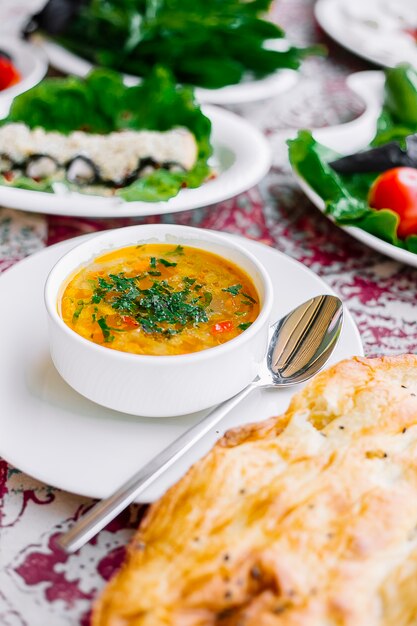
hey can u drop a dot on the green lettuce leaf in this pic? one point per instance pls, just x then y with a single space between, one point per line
345 197
399 113
101 103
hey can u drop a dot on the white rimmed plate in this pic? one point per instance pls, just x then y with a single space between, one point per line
52 433
30 61
375 30
241 158
354 136
246 91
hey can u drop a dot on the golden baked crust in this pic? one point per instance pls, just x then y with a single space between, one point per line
309 519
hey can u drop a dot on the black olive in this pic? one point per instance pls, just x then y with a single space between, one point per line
146 166
82 171
173 166
6 164
54 17
41 166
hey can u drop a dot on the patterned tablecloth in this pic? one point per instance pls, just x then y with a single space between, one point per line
40 586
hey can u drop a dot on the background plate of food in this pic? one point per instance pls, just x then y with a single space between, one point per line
62 438
22 65
95 147
372 193
381 31
229 51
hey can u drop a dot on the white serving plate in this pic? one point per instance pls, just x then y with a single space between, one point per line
245 91
241 158
50 432
351 137
371 29
30 61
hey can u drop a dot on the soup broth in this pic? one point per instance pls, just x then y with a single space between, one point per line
159 299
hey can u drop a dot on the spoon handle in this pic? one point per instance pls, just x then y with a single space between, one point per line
106 510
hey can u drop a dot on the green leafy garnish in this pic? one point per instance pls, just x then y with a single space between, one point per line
78 310
152 262
167 263
234 289
211 44
157 309
245 325
178 251
105 329
207 298
248 297
101 103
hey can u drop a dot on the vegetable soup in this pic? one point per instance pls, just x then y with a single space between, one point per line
159 299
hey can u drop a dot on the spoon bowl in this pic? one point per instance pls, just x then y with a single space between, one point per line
299 346
302 341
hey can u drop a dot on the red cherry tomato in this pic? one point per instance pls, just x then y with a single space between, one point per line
396 189
222 327
8 73
129 321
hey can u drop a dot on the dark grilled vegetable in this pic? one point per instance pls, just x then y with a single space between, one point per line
379 159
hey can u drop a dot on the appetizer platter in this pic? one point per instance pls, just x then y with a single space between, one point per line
229 51
68 439
306 518
22 65
381 31
372 192
94 147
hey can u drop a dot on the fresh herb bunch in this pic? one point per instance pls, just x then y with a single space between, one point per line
346 195
210 43
101 103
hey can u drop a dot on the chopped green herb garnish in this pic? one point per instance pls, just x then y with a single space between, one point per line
105 329
208 297
234 289
78 310
179 251
245 325
167 263
198 287
158 309
189 281
154 273
152 262
240 313
248 302
248 297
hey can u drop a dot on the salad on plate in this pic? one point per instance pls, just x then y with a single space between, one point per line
98 136
206 44
375 189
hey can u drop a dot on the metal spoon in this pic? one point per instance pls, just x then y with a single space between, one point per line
300 344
